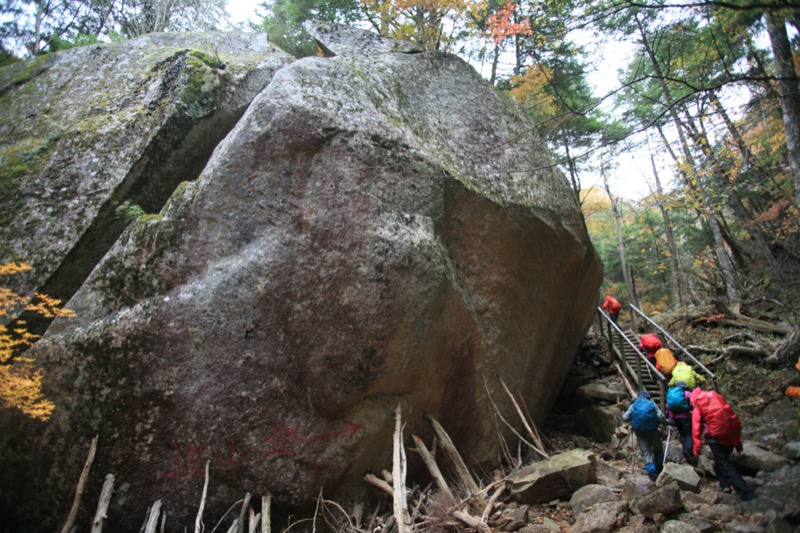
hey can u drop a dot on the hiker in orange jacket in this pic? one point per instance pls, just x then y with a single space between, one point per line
714 421
792 390
612 306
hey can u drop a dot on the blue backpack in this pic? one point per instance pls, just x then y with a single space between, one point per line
676 400
643 415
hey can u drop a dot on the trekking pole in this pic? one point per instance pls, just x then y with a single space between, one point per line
632 438
666 448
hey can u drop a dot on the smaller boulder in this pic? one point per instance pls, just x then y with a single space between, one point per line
664 500
719 513
791 450
557 477
599 421
755 459
694 520
590 495
602 518
684 475
603 391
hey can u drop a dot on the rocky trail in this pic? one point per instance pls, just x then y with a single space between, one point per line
615 493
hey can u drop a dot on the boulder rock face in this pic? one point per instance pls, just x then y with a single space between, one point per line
84 131
378 229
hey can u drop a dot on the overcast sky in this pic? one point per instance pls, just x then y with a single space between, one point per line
241 10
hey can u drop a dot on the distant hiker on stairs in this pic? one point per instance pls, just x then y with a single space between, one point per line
645 418
612 306
649 344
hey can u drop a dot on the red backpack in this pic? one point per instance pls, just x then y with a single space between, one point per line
650 342
721 422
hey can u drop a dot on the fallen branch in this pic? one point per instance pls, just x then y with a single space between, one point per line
462 472
745 351
76 503
501 487
198 522
374 480
152 521
433 468
534 435
472 522
399 476
102 504
243 513
266 504
625 380
508 425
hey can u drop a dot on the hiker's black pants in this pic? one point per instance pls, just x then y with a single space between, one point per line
725 470
684 427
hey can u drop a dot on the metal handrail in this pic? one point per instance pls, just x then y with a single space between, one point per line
674 342
636 348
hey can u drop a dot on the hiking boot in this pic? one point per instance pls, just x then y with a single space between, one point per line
726 490
748 496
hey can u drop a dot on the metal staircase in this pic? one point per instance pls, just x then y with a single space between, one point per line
638 373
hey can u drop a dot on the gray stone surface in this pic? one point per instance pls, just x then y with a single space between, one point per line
601 518
682 474
756 459
85 130
664 500
589 495
557 477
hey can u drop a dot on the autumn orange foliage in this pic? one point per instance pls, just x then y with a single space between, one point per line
20 383
501 27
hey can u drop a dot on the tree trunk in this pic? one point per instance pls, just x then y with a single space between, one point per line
723 260
790 95
620 240
675 294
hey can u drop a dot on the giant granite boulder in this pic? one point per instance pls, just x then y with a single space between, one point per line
379 229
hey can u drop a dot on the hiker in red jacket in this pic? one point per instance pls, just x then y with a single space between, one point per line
713 419
650 344
612 307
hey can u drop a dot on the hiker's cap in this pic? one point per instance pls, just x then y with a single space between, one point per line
680 384
644 394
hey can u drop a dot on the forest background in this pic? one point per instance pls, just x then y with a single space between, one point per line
708 92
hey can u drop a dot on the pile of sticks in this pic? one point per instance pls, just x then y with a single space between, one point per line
464 505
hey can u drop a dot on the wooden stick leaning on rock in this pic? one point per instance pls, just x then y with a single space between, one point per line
102 504
266 512
243 513
534 434
399 476
461 470
152 520
508 425
198 522
625 380
433 468
76 503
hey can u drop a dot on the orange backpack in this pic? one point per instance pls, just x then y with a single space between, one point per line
665 361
